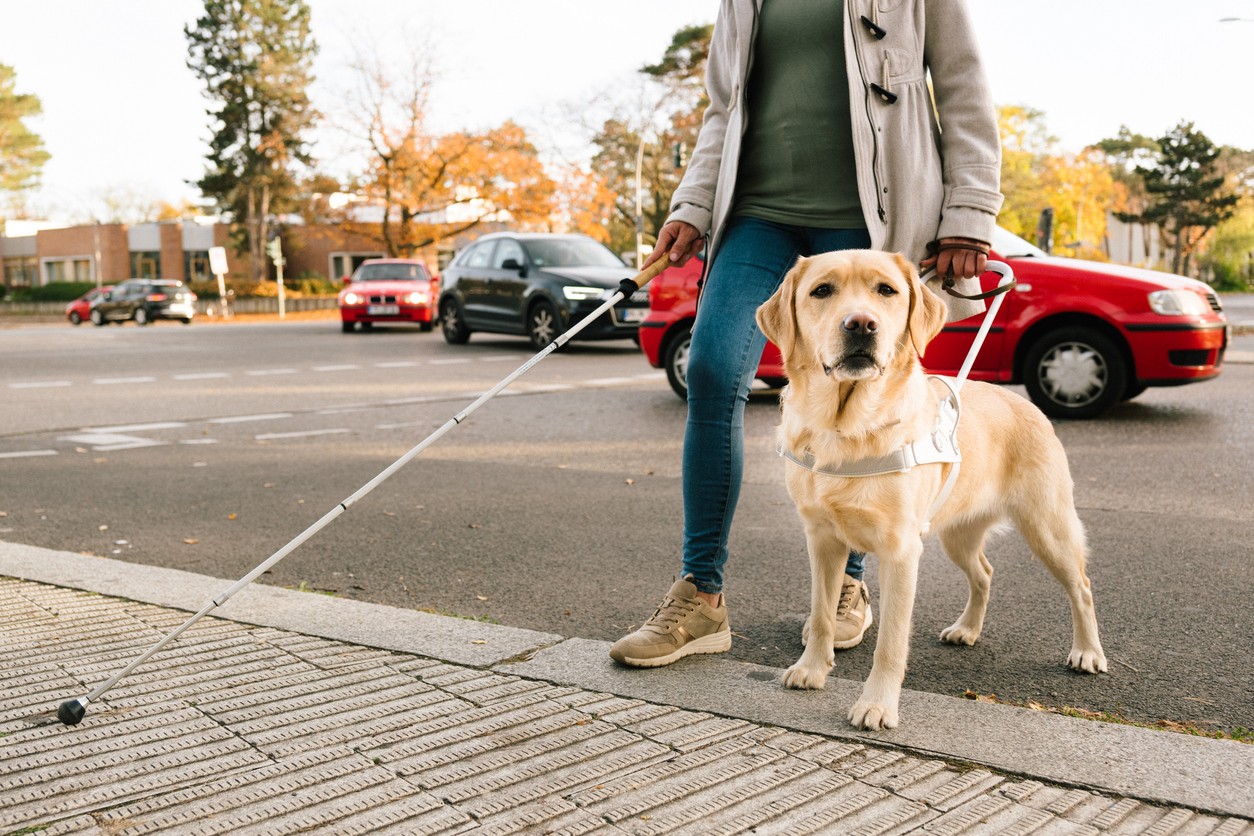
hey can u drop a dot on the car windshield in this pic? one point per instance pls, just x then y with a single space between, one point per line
1009 245
390 272
570 252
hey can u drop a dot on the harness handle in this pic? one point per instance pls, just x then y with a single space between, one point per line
997 294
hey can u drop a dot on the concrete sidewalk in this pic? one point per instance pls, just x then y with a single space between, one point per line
287 711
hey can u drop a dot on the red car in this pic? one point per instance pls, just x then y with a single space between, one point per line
80 308
1081 336
388 290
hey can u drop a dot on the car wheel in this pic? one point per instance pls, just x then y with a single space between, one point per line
141 316
75 319
187 320
676 362
1075 373
543 325
346 327
97 318
452 323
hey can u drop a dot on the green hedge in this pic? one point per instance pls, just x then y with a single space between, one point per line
58 292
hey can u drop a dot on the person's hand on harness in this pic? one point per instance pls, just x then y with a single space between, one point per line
956 258
678 240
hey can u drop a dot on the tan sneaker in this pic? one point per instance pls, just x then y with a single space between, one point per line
853 616
683 625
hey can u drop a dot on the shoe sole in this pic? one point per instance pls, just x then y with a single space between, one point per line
714 643
856 640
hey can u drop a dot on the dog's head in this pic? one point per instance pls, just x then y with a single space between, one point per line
853 313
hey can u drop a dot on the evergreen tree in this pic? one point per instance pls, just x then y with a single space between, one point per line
22 153
255 58
1185 192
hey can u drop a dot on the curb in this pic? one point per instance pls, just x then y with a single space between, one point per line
1158 767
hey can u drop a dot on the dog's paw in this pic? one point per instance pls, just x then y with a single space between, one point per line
959 633
803 676
1087 661
872 716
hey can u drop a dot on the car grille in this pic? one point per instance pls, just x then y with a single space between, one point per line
382 299
1215 304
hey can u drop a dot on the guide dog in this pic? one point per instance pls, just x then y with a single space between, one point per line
851 326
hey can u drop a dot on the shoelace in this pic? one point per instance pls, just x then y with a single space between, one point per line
671 611
847 591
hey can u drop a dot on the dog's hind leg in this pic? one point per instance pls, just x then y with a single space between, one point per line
965 547
876 708
1055 534
828 555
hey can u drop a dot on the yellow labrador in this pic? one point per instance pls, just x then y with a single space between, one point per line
851 326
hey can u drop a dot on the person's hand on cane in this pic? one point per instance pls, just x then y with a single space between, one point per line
677 240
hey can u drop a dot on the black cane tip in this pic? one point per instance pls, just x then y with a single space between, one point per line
71 712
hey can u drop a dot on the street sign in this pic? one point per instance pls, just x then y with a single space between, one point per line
217 260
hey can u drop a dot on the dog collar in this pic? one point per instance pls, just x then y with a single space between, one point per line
938 446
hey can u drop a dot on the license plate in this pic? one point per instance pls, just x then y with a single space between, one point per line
633 314
383 310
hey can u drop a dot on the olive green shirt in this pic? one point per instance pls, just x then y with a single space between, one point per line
797 158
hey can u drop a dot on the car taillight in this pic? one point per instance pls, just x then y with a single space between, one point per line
155 297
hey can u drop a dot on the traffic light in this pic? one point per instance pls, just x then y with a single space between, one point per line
274 248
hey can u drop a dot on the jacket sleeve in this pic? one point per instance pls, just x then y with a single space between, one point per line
970 142
693 200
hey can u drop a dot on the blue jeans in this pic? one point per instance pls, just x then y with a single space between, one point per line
748 266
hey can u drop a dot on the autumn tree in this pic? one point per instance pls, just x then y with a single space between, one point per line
1025 143
432 186
1186 193
22 154
255 58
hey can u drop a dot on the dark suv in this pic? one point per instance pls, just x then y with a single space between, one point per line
144 300
537 285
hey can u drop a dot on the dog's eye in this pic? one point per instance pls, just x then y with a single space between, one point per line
886 290
822 291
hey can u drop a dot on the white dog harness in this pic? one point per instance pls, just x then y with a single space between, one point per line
940 446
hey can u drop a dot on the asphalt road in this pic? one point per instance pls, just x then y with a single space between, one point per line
556 507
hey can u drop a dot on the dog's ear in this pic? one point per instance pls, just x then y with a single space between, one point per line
927 312
777 316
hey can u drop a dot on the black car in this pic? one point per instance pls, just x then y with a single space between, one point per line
144 300
537 285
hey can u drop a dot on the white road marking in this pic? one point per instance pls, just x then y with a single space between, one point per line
261 372
202 376
22 454
450 361
397 364
499 358
113 381
107 441
341 410
41 384
132 428
270 436
239 419
342 368
199 441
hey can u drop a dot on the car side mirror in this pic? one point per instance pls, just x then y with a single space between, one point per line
512 264
347 280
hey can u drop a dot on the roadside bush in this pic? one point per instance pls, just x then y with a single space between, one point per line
57 292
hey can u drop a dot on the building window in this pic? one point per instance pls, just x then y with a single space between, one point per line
74 269
21 272
196 265
343 264
146 265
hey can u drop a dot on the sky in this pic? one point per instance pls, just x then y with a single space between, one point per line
124 118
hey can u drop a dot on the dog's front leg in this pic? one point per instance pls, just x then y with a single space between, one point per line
828 555
899 570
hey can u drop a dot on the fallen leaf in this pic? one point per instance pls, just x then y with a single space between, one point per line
120 543
631 481
99 461
200 464
478 641
481 597
230 516
474 525
80 449
389 513
103 527
4 513
191 541
268 485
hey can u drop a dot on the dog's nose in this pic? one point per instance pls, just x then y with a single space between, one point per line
860 323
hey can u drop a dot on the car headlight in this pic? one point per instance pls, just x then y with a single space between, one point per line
1178 303
415 298
580 293
352 299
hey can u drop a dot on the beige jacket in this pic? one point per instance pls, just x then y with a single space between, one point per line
918 180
